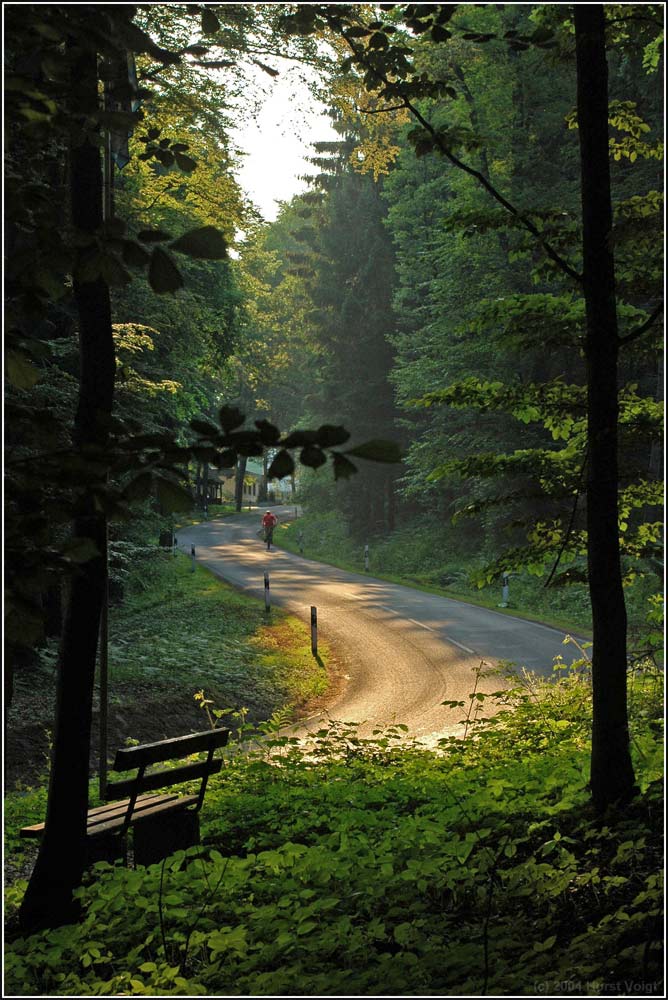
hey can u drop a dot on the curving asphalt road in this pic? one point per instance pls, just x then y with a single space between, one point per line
404 651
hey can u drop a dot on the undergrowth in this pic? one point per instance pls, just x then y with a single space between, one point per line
376 867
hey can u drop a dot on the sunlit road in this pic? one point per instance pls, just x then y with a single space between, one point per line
403 651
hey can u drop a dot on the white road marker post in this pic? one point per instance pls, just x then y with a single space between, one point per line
314 631
505 590
267 598
366 558
192 558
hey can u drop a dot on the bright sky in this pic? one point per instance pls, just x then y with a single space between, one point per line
277 143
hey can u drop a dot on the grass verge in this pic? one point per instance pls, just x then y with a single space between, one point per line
176 633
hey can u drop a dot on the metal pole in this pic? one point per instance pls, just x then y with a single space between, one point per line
267 598
192 557
104 679
107 213
366 558
314 631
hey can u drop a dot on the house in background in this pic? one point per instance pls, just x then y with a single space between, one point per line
219 486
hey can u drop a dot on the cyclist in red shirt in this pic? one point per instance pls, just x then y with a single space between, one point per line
269 522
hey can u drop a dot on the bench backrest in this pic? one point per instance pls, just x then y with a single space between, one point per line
143 756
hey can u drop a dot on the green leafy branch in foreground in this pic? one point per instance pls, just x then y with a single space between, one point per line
222 445
354 861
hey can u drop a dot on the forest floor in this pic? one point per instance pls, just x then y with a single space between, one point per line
178 634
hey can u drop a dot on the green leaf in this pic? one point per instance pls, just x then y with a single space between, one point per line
440 34
153 236
299 439
269 434
312 456
546 944
377 450
20 371
330 435
282 465
206 243
343 468
134 255
210 23
378 40
204 428
230 417
163 274
113 272
185 163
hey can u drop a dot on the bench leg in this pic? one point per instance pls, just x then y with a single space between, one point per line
107 847
155 839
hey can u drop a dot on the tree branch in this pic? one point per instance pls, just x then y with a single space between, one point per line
379 111
571 522
461 165
649 322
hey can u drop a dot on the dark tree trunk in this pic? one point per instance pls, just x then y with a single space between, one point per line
612 778
239 482
391 504
52 608
262 488
198 485
59 868
205 484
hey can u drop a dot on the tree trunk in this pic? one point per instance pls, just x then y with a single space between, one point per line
198 485
612 778
52 608
262 489
205 485
239 482
391 503
59 868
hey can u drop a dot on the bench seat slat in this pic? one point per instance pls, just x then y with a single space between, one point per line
113 814
150 812
180 746
112 809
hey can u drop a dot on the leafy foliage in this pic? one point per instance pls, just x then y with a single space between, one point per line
365 858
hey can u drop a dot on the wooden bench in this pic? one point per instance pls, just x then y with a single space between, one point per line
161 824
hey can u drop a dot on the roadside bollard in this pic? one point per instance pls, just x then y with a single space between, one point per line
505 590
314 631
267 598
192 558
175 544
366 558
300 542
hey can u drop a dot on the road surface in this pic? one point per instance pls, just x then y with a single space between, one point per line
403 651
